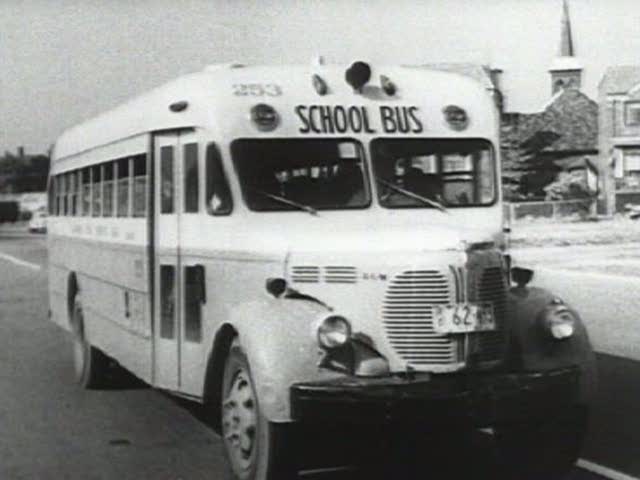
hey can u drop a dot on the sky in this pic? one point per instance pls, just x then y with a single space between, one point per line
63 61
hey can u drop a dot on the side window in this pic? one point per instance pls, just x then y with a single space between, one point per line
167 185
51 197
123 187
218 198
168 301
107 190
191 193
73 193
62 200
96 190
86 191
194 291
139 185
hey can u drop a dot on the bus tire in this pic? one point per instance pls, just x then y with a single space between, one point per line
547 449
254 448
91 366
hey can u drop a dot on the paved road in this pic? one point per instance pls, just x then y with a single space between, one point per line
53 430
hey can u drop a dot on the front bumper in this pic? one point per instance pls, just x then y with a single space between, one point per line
476 399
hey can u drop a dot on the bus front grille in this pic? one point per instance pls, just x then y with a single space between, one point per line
407 313
491 287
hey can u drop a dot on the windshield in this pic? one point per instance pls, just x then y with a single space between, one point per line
301 174
449 172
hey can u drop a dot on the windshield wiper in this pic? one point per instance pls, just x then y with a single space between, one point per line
415 196
286 201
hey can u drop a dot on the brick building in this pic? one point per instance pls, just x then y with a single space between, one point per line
619 135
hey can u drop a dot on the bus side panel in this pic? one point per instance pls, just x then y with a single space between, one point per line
113 280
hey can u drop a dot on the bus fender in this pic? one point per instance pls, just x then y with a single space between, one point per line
279 337
532 348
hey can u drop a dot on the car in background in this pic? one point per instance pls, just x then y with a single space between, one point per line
38 222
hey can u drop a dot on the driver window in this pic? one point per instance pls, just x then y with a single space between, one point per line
218 195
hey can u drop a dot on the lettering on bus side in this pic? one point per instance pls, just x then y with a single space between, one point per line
357 119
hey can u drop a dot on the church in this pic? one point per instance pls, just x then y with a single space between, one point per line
561 137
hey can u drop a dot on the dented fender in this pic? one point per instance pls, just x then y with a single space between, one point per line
279 337
533 349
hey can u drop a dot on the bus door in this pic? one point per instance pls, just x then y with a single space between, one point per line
167 261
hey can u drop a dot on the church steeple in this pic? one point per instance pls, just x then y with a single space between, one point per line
566 70
566 42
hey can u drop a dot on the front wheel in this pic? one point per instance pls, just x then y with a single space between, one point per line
542 450
254 447
91 366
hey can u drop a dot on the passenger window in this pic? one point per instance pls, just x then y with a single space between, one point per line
63 195
96 191
123 187
191 177
166 179
107 190
56 205
194 298
168 301
139 186
86 192
218 197
52 195
73 193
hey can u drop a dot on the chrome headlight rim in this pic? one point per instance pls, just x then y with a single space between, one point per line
334 331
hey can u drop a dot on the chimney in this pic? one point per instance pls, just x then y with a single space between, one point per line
21 153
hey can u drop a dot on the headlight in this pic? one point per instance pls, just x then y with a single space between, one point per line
333 332
558 320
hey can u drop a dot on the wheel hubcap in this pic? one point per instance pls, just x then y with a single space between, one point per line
239 421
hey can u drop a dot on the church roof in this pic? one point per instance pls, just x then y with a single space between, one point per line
568 123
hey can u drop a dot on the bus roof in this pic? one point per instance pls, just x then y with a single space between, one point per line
210 98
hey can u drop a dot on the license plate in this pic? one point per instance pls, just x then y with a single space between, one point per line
464 318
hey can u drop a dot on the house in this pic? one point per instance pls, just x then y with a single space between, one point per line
619 135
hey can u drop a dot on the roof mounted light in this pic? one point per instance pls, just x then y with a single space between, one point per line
357 75
264 117
319 84
179 106
456 117
387 85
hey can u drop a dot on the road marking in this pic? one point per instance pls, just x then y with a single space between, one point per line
22 263
604 471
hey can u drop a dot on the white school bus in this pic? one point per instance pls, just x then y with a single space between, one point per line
312 245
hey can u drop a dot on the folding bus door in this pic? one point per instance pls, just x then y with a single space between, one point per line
167 261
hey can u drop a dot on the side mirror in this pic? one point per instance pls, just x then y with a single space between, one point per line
521 276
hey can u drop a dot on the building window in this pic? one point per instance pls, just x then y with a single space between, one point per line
632 113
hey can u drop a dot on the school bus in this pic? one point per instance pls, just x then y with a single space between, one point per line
310 245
